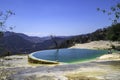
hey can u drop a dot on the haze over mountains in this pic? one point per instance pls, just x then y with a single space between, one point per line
21 43
32 39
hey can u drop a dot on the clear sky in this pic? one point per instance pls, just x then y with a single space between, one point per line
56 17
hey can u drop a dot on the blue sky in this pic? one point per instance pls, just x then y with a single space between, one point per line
56 17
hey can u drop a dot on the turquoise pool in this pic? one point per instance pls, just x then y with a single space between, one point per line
68 55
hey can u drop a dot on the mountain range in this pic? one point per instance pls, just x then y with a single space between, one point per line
17 43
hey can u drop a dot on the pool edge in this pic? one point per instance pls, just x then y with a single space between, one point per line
32 59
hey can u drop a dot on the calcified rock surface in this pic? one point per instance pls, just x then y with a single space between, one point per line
96 45
106 67
17 68
113 56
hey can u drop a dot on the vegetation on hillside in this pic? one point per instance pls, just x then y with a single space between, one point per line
111 33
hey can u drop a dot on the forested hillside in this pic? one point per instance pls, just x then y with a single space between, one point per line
110 33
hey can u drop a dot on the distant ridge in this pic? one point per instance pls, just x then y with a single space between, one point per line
17 43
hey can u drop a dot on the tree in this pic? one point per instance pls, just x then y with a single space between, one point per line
57 46
3 27
113 32
4 73
113 11
53 39
3 19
